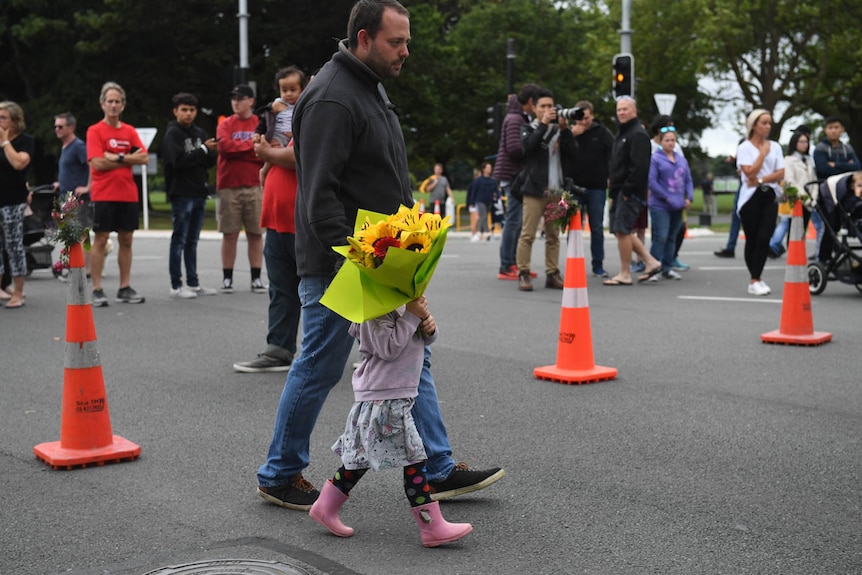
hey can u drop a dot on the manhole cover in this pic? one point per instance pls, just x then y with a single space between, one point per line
230 567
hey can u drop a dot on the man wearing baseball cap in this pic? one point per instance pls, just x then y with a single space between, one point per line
238 188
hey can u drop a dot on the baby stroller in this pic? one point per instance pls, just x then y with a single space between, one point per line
845 262
37 225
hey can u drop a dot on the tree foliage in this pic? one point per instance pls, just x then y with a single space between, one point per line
794 57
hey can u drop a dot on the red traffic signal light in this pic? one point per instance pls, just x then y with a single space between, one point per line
624 68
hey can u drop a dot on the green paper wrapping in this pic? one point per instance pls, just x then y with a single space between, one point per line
359 293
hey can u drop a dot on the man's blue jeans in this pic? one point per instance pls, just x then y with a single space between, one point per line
279 252
188 219
511 230
665 226
735 223
595 213
781 229
325 348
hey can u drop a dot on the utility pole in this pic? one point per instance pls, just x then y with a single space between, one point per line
241 74
625 30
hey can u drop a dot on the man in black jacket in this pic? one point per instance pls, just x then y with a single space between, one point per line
350 154
189 155
629 177
595 144
549 152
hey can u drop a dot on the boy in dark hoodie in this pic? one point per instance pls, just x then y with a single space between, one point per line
189 155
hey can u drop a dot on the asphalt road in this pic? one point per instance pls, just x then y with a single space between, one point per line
710 453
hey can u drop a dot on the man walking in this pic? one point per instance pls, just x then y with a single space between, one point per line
350 154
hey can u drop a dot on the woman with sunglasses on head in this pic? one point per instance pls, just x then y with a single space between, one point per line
16 149
761 167
670 191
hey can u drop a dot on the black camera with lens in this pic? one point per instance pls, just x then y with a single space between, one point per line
570 114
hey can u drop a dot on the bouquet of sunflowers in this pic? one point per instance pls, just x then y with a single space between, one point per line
390 261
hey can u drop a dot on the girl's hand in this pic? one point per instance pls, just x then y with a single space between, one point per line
418 307
428 325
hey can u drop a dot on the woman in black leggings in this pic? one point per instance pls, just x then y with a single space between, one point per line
761 166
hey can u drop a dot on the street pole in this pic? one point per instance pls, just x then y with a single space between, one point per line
242 16
625 30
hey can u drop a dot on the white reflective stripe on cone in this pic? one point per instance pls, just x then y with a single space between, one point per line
81 355
575 297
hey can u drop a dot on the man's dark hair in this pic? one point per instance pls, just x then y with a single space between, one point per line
68 118
527 93
367 15
832 120
542 93
290 71
184 99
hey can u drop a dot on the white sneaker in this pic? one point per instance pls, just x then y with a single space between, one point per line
201 290
758 288
765 287
475 238
183 293
671 275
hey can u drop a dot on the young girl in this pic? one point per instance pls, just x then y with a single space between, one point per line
277 118
380 432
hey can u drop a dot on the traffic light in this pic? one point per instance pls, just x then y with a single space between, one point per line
624 70
495 120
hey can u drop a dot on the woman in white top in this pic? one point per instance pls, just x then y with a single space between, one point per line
761 166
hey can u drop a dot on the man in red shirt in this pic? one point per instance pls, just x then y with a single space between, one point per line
113 147
238 188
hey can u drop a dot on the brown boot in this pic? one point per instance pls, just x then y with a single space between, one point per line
554 281
524 283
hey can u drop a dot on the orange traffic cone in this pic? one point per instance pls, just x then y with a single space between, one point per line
422 205
797 324
437 207
575 362
812 233
85 427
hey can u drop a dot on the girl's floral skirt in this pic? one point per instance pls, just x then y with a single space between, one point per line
379 435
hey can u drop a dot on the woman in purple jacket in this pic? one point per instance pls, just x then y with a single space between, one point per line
670 191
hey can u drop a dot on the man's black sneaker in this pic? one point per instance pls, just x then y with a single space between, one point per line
298 495
724 253
128 295
464 480
263 363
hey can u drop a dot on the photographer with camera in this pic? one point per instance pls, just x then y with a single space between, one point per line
595 145
549 153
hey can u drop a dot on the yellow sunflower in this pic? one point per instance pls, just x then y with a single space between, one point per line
416 241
